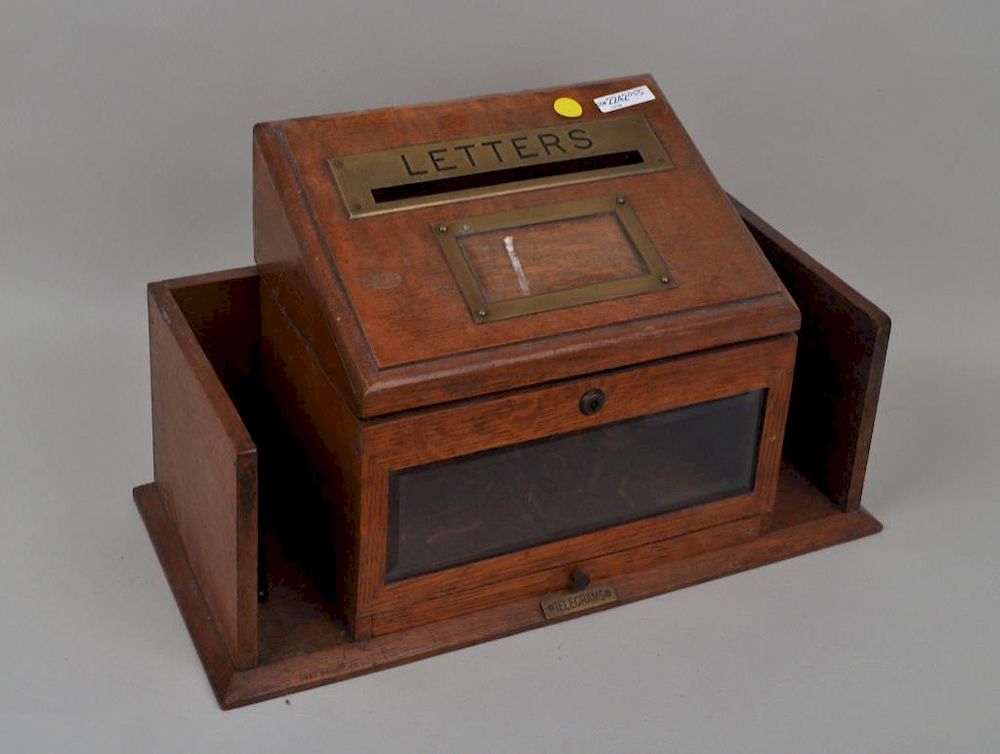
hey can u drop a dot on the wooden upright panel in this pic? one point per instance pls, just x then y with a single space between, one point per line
205 467
838 368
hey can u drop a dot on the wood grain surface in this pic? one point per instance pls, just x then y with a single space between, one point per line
377 302
205 466
203 351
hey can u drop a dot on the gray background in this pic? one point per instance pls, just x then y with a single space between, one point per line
866 131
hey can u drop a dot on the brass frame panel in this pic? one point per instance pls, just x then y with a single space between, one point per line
358 175
657 277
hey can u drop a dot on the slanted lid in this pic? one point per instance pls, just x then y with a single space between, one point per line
482 245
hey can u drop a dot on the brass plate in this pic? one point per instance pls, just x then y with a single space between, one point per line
449 171
657 276
567 603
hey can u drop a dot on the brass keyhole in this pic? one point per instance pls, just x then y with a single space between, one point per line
592 401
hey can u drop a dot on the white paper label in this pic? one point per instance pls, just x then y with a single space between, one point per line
618 100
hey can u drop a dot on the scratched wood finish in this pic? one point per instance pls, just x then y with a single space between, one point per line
205 466
838 374
379 306
302 641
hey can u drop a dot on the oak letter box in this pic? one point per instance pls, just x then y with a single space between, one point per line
502 360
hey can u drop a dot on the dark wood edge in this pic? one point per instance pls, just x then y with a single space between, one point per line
206 278
235 688
247 553
855 449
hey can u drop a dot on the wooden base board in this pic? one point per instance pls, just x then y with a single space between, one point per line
302 646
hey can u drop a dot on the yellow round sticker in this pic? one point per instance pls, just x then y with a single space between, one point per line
568 107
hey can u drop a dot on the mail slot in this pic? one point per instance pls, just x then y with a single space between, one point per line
497 367
489 165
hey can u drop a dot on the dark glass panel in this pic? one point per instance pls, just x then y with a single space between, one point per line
486 504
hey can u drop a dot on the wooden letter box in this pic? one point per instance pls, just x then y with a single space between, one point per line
496 367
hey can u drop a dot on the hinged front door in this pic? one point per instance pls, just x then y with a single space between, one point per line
506 490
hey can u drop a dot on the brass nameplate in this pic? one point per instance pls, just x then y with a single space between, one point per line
428 174
559 605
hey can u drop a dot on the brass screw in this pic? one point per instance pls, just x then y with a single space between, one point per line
620 199
482 312
664 279
466 227
442 229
